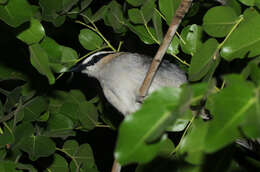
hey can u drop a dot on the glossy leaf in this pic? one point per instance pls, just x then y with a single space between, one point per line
157 24
203 60
59 126
52 48
192 36
235 5
33 109
144 15
38 146
134 148
68 59
223 129
59 164
219 20
89 39
135 16
115 17
33 34
244 39
166 148
143 34
100 13
39 60
85 3
82 156
70 146
16 12
168 8
193 143
88 115
173 49
23 130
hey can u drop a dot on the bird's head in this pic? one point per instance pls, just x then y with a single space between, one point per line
92 64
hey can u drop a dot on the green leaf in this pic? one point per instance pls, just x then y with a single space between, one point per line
157 24
100 13
33 34
70 147
135 16
223 129
244 39
16 12
12 99
59 126
39 59
115 17
68 59
133 147
166 148
136 3
147 10
203 60
52 48
61 58
37 146
7 137
33 109
88 115
144 15
168 8
59 164
235 5
179 125
248 2
143 34
192 36
89 39
84 4
173 48
84 158
219 20
7 72
52 9
193 143
23 130
70 110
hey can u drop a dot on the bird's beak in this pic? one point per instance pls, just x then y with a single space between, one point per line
77 68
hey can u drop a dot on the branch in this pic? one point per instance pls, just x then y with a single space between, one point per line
177 18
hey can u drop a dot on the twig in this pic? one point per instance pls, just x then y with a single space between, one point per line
177 18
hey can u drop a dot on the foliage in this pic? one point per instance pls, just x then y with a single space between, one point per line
192 128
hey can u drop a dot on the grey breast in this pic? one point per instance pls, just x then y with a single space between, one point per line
123 76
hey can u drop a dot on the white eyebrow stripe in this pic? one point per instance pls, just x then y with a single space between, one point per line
96 54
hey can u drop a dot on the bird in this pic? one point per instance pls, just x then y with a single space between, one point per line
121 74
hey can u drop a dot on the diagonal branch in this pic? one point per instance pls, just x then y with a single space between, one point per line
177 18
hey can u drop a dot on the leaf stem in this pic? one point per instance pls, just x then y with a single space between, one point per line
98 32
69 155
230 32
183 135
